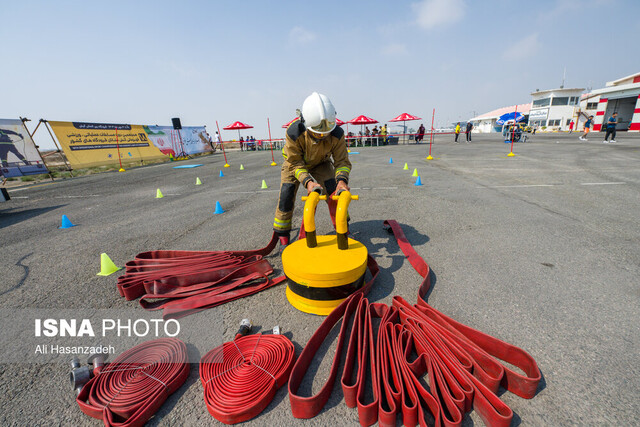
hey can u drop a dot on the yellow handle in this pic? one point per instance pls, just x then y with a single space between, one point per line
344 198
309 215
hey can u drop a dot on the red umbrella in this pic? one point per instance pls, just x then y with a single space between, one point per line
237 125
362 120
404 117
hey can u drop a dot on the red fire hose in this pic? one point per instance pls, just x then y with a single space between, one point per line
462 364
185 282
128 391
241 377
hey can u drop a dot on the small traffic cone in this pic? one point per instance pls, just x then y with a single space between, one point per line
418 181
121 170
415 172
171 158
390 160
218 209
406 167
227 165
66 222
198 182
107 267
159 194
264 185
241 167
221 174
510 154
429 157
274 164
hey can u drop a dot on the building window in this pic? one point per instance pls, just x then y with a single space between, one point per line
569 122
562 100
574 100
592 105
554 122
541 102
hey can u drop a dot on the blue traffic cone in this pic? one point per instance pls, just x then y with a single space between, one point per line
390 160
221 174
418 181
218 208
66 222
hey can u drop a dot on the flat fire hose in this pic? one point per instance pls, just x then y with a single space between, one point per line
382 379
241 377
128 391
185 282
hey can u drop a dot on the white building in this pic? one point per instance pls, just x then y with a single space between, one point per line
486 123
554 109
621 96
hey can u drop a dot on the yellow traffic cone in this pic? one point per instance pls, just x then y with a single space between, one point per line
406 167
159 194
121 170
415 172
227 165
198 182
264 184
429 157
274 164
241 167
510 154
107 267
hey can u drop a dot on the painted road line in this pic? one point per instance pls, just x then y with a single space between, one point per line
603 183
519 186
77 197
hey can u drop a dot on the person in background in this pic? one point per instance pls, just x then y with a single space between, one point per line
216 140
571 127
241 144
457 132
469 127
420 134
384 132
611 128
315 155
587 128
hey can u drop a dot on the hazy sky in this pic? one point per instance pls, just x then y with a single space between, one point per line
144 62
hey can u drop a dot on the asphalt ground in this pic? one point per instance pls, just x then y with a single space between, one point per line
541 250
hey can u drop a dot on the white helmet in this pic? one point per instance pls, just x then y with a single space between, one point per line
318 114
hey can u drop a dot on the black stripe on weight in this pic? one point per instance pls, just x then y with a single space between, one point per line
325 294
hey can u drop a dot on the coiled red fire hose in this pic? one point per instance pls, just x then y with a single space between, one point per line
185 282
128 391
462 364
241 377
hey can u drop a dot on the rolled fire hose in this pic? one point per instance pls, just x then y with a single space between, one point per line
241 377
128 391
463 365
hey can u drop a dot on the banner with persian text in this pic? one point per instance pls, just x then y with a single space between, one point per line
95 144
18 153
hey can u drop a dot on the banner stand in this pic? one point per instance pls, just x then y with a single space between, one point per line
46 125
24 122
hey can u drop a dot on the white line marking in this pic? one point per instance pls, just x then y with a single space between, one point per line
19 197
602 183
519 186
251 192
76 197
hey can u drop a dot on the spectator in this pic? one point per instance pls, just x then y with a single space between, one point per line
611 128
420 134
571 127
241 144
367 132
383 132
457 132
469 127
216 140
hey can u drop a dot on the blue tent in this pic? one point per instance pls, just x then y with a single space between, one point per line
508 117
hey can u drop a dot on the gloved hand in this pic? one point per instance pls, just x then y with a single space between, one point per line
313 186
341 186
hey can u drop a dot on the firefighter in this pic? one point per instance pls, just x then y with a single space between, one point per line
315 155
